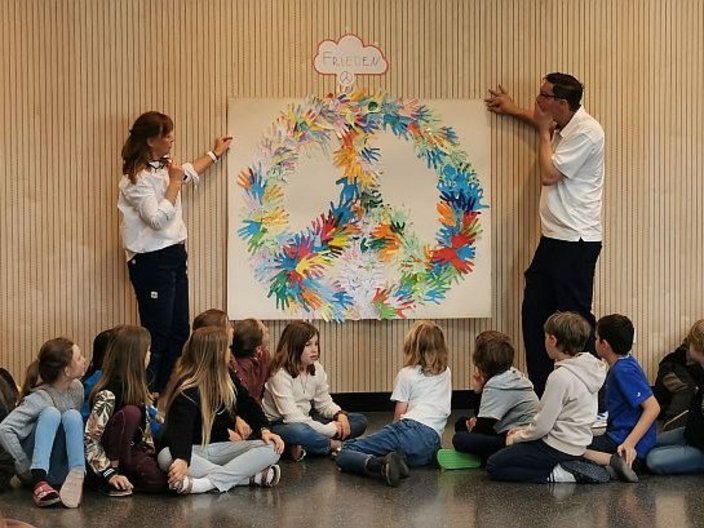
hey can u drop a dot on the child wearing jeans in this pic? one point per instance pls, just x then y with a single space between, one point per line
422 393
297 398
44 434
507 400
562 429
681 450
630 430
201 409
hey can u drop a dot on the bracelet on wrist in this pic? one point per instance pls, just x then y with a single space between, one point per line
213 156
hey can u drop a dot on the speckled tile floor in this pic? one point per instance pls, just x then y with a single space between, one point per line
313 493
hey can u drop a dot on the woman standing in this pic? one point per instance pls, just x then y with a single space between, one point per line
154 234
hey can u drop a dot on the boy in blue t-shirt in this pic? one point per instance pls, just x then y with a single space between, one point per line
630 430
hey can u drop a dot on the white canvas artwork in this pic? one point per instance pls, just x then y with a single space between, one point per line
359 206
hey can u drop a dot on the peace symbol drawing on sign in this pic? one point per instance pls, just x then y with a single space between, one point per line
331 269
346 78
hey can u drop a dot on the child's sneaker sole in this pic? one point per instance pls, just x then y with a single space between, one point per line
623 472
585 472
451 459
391 469
72 490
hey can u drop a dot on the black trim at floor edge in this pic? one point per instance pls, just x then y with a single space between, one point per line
381 401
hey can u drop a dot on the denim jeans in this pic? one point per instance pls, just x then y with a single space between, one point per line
417 441
226 464
313 442
672 455
56 446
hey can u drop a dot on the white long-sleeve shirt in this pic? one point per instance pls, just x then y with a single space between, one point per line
290 400
149 221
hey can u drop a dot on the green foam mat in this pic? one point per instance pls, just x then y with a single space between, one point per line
451 459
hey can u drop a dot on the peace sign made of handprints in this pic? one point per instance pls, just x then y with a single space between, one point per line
335 268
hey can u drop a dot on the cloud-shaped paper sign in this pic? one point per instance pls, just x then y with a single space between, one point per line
347 57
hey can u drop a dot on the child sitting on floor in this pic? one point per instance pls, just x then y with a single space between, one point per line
94 370
297 397
201 408
9 396
118 440
681 450
507 398
630 430
549 448
250 348
44 433
423 392
675 386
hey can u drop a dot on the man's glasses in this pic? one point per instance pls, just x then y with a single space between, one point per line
549 96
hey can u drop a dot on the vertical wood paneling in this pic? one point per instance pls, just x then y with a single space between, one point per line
76 73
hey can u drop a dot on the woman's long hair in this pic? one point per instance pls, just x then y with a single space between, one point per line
203 365
136 152
123 365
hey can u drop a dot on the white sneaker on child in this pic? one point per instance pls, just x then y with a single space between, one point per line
560 474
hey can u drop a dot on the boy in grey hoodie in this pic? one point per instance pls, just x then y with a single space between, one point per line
561 430
507 400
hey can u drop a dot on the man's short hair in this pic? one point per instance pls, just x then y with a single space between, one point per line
566 87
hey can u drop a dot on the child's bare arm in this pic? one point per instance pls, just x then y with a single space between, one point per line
401 408
627 449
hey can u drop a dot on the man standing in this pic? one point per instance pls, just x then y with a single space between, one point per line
571 163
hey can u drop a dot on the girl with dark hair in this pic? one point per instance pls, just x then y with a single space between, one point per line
250 348
94 370
44 434
298 380
154 234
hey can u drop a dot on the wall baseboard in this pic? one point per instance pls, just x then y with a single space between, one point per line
381 402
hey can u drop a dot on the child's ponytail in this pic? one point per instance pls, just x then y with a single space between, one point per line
31 378
55 355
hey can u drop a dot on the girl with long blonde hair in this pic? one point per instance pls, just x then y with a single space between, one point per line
201 407
118 438
422 393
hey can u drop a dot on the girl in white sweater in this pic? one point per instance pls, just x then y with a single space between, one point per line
297 400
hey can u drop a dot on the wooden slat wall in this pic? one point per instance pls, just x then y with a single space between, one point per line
75 73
